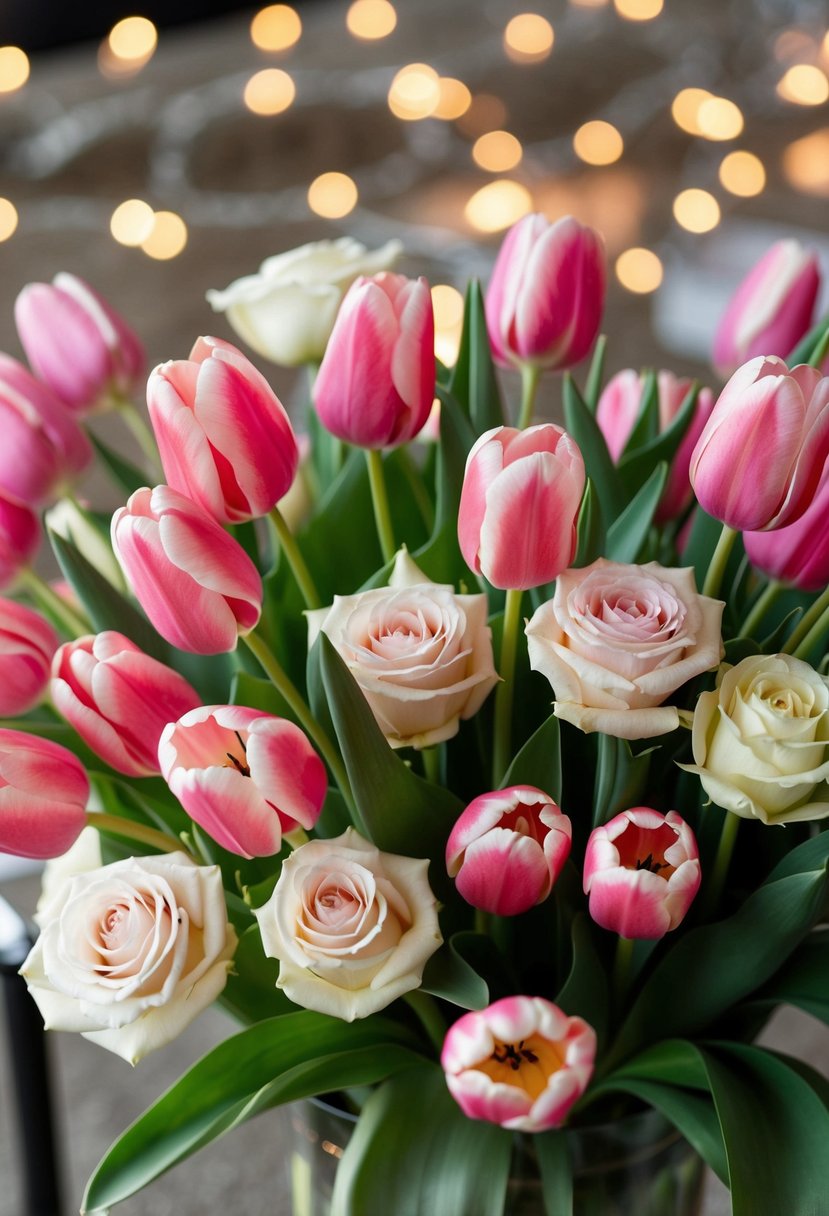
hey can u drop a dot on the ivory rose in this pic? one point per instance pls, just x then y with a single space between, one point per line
352 927
129 954
760 740
421 654
617 640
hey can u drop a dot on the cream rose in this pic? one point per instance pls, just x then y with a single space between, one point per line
760 740
286 312
131 952
352 927
616 640
421 654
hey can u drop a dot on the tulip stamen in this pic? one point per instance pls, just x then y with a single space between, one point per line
508 1053
648 863
237 764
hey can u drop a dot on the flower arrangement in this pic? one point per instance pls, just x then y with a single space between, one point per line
504 818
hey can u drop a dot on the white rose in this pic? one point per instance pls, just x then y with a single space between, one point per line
130 953
760 740
286 312
421 654
352 927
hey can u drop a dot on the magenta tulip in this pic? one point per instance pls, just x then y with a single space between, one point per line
20 537
521 1063
194 581
376 382
77 343
545 299
243 775
519 505
119 699
641 872
759 460
224 439
772 308
43 796
27 643
799 553
507 849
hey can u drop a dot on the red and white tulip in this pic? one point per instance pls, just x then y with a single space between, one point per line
43 794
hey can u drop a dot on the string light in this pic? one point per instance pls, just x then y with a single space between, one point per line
371 19
805 85
14 68
498 205
743 174
686 106
454 98
696 210
528 38
497 151
332 195
8 219
638 10
639 270
132 222
718 119
167 237
806 163
414 92
276 28
598 143
269 92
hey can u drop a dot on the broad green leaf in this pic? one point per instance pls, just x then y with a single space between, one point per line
705 532
646 425
585 991
473 381
556 1173
456 440
450 976
257 693
802 980
812 854
620 777
595 376
600 468
635 467
539 761
628 533
251 994
414 1153
591 529
126 475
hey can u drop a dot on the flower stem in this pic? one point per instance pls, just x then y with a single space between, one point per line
719 561
621 970
767 597
427 1013
505 690
380 502
140 431
719 871
130 830
73 622
431 763
285 686
530 379
294 558
811 623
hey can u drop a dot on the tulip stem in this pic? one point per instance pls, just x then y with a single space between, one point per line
505 690
285 686
72 622
380 502
767 597
130 830
530 379
719 871
140 431
621 970
810 624
719 561
427 1013
431 763
296 561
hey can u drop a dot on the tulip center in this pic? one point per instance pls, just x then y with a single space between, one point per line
645 848
527 1064
526 820
232 761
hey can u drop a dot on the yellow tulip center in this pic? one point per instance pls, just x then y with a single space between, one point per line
527 1064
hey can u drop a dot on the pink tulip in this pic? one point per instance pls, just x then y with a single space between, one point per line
759 460
507 849
119 699
20 537
195 582
521 1063
43 448
799 553
772 308
243 775
519 505
376 382
546 296
77 342
641 871
618 409
225 440
43 796
27 643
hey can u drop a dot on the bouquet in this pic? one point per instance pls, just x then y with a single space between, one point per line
478 769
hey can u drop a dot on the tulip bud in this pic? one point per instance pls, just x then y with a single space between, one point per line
641 871
44 793
772 308
376 382
799 553
545 299
195 582
27 643
759 459
507 849
519 505
521 1063
77 343
224 439
618 410
119 699
20 537
243 775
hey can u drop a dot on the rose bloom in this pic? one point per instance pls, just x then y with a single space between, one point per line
421 654
760 740
616 640
129 954
352 927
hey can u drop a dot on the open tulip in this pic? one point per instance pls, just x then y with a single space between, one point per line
545 298
521 1063
245 776
641 872
798 553
376 382
507 849
224 439
119 699
27 643
194 581
43 796
760 457
77 343
20 537
772 308
519 504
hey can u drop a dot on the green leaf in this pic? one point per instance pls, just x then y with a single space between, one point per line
812 854
646 426
251 993
591 529
450 976
802 980
629 531
595 376
600 468
705 532
556 1173
585 991
257 693
414 1153
278 1060
539 761
635 467
128 476
805 349
456 440
473 381
620 777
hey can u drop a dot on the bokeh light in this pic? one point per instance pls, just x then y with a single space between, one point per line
718 118
696 210
686 106
454 98
639 270
447 303
804 84
269 92
528 38
414 92
497 151
806 163
498 205
132 222
332 195
14 68
486 113
8 219
371 19
742 173
598 143
276 28
167 237
638 10
133 38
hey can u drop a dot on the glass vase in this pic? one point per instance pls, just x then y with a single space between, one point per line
637 1166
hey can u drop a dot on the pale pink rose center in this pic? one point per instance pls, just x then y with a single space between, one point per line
645 848
648 613
127 934
344 913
